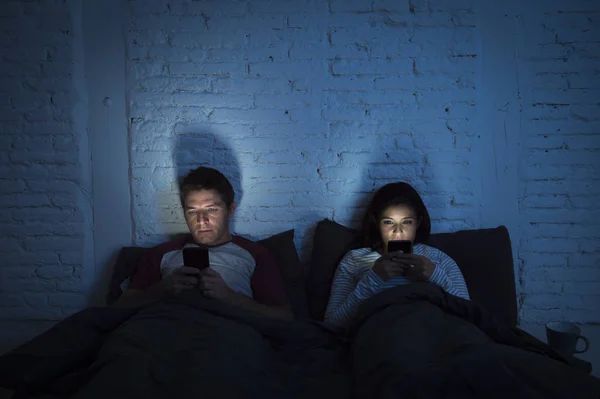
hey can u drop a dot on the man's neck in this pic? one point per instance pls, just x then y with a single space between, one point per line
227 238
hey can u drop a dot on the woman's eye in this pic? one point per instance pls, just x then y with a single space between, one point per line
408 222
387 222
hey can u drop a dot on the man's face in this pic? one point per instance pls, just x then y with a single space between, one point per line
207 217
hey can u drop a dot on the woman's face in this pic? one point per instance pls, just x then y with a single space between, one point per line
398 222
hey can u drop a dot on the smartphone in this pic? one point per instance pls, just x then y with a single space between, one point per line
196 257
400 245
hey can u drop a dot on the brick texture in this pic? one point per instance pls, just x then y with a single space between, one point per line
560 184
42 188
308 105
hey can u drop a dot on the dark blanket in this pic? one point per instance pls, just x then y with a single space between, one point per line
416 341
412 341
183 347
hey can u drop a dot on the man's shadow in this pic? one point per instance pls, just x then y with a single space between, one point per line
197 145
191 146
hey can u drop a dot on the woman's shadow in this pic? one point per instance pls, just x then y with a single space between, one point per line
380 169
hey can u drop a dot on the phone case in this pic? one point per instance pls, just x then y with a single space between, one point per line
400 245
196 257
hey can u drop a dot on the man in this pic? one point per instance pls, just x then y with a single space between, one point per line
241 273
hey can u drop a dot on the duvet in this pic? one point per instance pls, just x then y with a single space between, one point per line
412 341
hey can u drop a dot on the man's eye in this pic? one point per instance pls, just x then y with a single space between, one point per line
191 211
212 210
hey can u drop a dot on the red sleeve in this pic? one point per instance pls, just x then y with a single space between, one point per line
147 271
267 282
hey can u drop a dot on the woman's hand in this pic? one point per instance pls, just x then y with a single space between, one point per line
411 266
386 267
415 267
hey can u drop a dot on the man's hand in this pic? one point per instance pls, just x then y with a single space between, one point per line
414 267
183 278
212 285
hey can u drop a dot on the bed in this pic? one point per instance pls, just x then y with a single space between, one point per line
412 341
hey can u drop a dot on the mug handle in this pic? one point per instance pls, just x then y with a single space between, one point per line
587 344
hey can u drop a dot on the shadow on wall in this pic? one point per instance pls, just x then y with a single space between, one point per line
191 146
198 145
397 165
435 182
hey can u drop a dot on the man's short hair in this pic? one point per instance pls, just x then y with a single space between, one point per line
204 178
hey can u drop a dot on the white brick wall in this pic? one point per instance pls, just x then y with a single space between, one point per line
313 104
560 184
308 106
43 191
315 108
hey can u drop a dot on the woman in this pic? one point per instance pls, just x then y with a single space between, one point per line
396 212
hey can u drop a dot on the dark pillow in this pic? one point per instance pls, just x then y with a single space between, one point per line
281 246
126 262
330 243
484 257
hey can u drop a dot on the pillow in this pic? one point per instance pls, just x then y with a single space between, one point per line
330 243
484 257
281 246
127 260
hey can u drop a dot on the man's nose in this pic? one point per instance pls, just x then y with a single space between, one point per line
202 217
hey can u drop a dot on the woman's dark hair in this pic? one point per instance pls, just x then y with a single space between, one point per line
399 193
204 178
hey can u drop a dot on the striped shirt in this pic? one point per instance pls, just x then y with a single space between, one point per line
355 281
